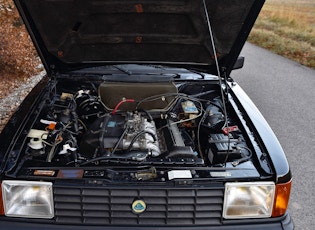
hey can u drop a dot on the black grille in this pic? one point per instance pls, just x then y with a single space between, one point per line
112 206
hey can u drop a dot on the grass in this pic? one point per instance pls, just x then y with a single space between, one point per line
287 27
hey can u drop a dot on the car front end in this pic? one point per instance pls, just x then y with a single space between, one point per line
138 125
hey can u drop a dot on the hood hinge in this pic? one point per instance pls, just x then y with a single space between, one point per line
225 76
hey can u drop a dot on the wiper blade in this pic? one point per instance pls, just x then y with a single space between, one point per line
122 69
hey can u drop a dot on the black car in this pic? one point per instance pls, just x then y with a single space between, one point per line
138 124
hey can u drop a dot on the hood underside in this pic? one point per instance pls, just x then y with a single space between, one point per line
75 33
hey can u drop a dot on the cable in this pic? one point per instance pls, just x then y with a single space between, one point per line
243 159
198 134
121 102
120 139
157 97
147 113
137 136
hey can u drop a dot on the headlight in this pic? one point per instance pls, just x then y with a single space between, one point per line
30 199
248 200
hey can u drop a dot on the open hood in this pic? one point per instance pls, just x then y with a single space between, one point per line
71 34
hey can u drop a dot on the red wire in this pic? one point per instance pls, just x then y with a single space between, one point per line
119 104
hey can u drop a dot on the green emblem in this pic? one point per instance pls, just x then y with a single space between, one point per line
138 206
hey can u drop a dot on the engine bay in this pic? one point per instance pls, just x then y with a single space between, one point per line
135 123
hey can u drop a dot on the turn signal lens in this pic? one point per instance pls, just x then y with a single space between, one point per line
281 199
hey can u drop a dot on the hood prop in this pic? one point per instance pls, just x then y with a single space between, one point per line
224 99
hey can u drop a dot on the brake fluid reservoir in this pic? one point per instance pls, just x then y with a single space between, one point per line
190 109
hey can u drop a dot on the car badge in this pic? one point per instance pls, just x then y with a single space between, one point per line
138 206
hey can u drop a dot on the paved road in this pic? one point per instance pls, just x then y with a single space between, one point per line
284 91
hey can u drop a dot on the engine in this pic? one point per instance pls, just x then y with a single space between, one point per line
131 133
118 123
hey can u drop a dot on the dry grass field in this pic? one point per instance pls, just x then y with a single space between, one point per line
287 27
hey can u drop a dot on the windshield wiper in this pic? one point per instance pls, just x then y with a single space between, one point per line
122 69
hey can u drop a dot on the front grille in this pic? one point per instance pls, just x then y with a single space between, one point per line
113 206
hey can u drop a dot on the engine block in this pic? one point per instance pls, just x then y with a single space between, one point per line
129 131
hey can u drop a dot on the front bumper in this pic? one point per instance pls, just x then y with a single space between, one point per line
283 223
